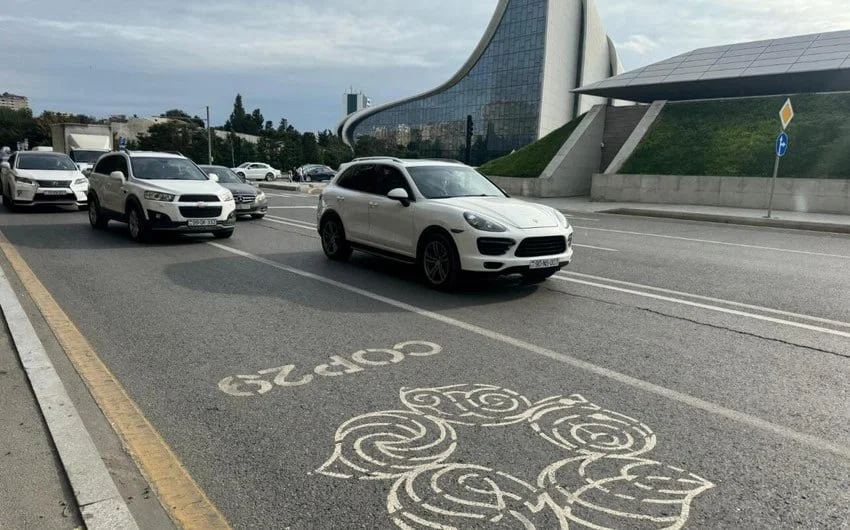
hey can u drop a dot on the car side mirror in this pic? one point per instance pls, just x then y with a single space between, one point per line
117 175
5 165
400 195
213 177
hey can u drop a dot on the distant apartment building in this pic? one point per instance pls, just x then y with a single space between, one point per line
13 101
354 102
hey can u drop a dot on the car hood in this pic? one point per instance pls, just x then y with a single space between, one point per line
42 174
182 187
242 189
519 214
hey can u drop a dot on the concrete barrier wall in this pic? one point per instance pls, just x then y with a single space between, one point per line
799 195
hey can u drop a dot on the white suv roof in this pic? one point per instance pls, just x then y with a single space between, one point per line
407 162
152 154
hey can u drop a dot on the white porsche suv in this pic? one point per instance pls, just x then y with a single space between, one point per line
158 192
444 216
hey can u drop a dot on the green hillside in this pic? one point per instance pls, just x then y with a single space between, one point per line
531 160
736 138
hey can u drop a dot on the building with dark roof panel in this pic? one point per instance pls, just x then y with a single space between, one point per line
792 65
517 85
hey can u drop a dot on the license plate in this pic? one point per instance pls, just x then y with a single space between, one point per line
54 192
202 222
549 263
243 206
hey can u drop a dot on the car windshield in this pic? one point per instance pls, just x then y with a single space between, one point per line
46 162
246 164
155 168
225 175
86 156
444 182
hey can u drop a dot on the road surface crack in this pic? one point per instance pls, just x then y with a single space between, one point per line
706 324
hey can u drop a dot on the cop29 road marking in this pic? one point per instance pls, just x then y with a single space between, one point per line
708 307
253 385
708 299
713 242
652 388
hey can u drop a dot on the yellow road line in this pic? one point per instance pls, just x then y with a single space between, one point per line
176 490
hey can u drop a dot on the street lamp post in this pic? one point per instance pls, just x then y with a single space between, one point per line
209 138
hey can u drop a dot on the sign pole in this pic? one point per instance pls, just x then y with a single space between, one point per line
773 186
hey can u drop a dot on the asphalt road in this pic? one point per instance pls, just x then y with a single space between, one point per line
676 372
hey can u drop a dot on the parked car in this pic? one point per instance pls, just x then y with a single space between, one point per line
443 216
249 200
31 178
257 171
158 192
319 174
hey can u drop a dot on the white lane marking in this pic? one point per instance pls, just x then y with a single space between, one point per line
95 491
307 223
711 299
713 242
292 207
646 386
596 248
305 226
719 309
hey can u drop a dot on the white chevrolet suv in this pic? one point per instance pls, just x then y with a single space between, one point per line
444 216
158 192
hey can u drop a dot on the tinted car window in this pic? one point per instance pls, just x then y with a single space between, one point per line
150 168
389 178
359 178
106 165
59 162
121 165
12 159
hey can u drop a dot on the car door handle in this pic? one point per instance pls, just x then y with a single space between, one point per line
373 204
340 198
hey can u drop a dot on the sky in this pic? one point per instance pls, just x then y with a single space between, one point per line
296 58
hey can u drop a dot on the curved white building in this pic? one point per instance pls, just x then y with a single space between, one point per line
517 85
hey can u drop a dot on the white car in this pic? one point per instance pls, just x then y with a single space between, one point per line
257 171
158 192
31 178
444 216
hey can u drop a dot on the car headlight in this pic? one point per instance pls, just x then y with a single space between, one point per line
24 180
260 197
226 196
562 219
81 182
159 196
482 223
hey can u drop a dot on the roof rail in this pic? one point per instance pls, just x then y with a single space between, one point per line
365 158
450 160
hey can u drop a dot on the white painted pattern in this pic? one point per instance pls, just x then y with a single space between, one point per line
596 248
709 407
709 299
713 242
598 480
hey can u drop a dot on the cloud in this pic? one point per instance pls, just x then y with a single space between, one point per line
640 44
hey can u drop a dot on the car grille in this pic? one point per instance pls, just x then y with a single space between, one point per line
193 212
541 246
54 183
244 198
494 246
199 198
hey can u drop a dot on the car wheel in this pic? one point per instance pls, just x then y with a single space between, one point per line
269 177
439 262
136 224
333 239
96 217
241 175
257 215
223 234
538 276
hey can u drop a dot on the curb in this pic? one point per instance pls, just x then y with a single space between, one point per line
732 219
98 499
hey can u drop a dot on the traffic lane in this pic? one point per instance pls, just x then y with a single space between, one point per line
255 460
744 364
802 283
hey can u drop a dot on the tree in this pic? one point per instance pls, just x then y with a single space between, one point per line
310 148
178 114
238 121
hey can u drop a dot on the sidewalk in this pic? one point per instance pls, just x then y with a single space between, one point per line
294 186
714 214
34 491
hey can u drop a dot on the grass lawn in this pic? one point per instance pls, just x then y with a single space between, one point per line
531 160
737 138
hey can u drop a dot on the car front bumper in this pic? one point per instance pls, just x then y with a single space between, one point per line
173 217
252 208
473 260
27 195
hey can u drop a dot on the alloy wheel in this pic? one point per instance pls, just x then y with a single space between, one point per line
134 223
437 262
330 237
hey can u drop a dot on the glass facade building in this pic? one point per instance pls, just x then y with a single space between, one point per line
514 86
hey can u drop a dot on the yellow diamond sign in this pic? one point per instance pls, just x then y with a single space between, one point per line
786 114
